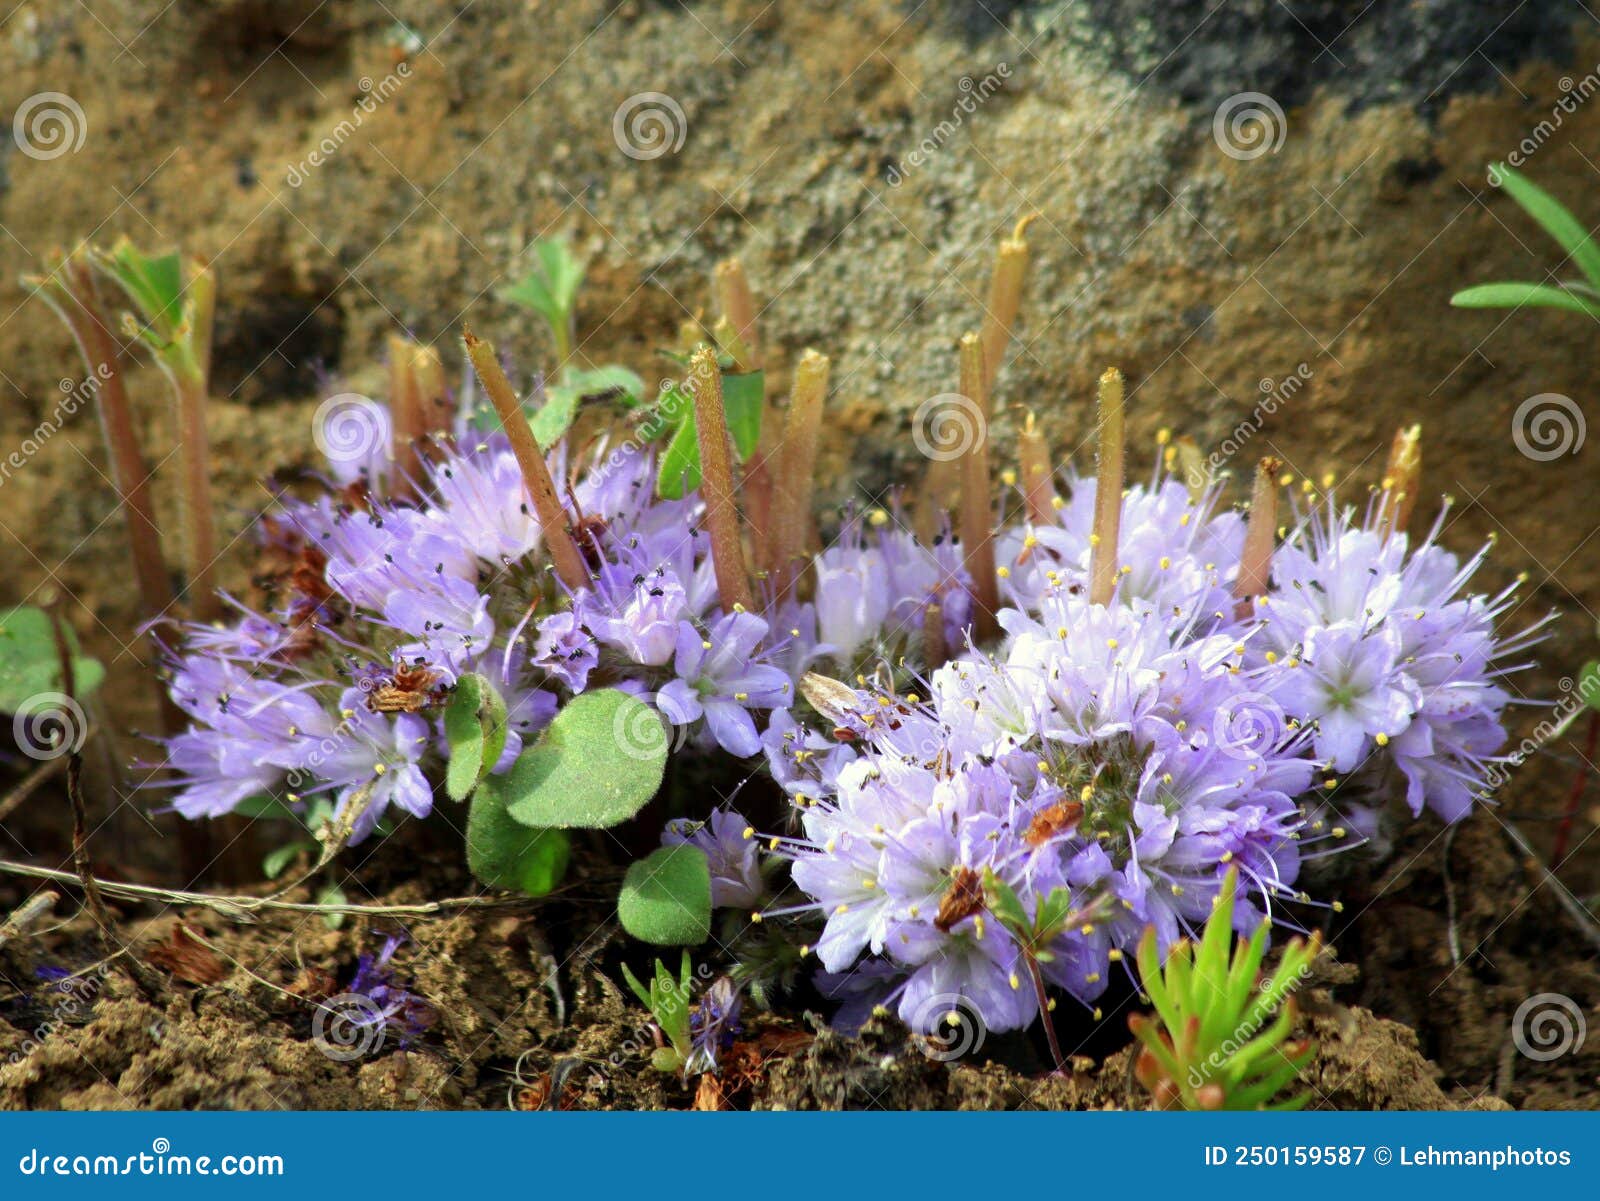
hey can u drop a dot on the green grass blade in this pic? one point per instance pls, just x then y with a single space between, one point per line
1555 219
1521 295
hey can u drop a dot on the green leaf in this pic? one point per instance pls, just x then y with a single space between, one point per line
679 470
600 761
1554 218
153 282
1588 685
475 728
504 853
1518 295
29 664
551 288
333 895
272 866
743 398
265 806
604 383
666 897
562 401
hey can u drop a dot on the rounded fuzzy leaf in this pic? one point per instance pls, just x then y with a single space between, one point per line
475 728
29 664
666 897
599 763
504 853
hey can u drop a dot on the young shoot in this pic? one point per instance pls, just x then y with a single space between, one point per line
1220 1037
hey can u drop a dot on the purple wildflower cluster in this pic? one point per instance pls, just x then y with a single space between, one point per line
1131 752
382 603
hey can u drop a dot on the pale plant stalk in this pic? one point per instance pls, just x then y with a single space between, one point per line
553 519
737 304
1260 536
716 483
796 474
1103 568
1038 483
433 395
934 651
1005 298
192 385
976 512
406 427
1402 477
1190 463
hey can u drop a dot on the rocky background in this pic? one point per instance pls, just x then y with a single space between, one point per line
1228 196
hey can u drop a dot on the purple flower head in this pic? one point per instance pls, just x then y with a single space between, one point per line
730 847
713 1024
1384 649
565 649
1090 757
392 1005
720 678
371 761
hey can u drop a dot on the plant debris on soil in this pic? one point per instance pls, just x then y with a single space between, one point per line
530 1013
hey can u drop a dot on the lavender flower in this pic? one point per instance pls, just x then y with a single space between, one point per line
726 838
720 679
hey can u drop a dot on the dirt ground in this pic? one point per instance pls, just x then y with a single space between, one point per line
1209 279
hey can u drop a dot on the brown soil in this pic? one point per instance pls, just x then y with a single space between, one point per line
528 1011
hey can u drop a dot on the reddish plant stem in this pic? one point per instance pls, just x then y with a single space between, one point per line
1591 739
1044 1011
129 474
716 483
406 426
1402 476
934 651
553 520
1005 299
